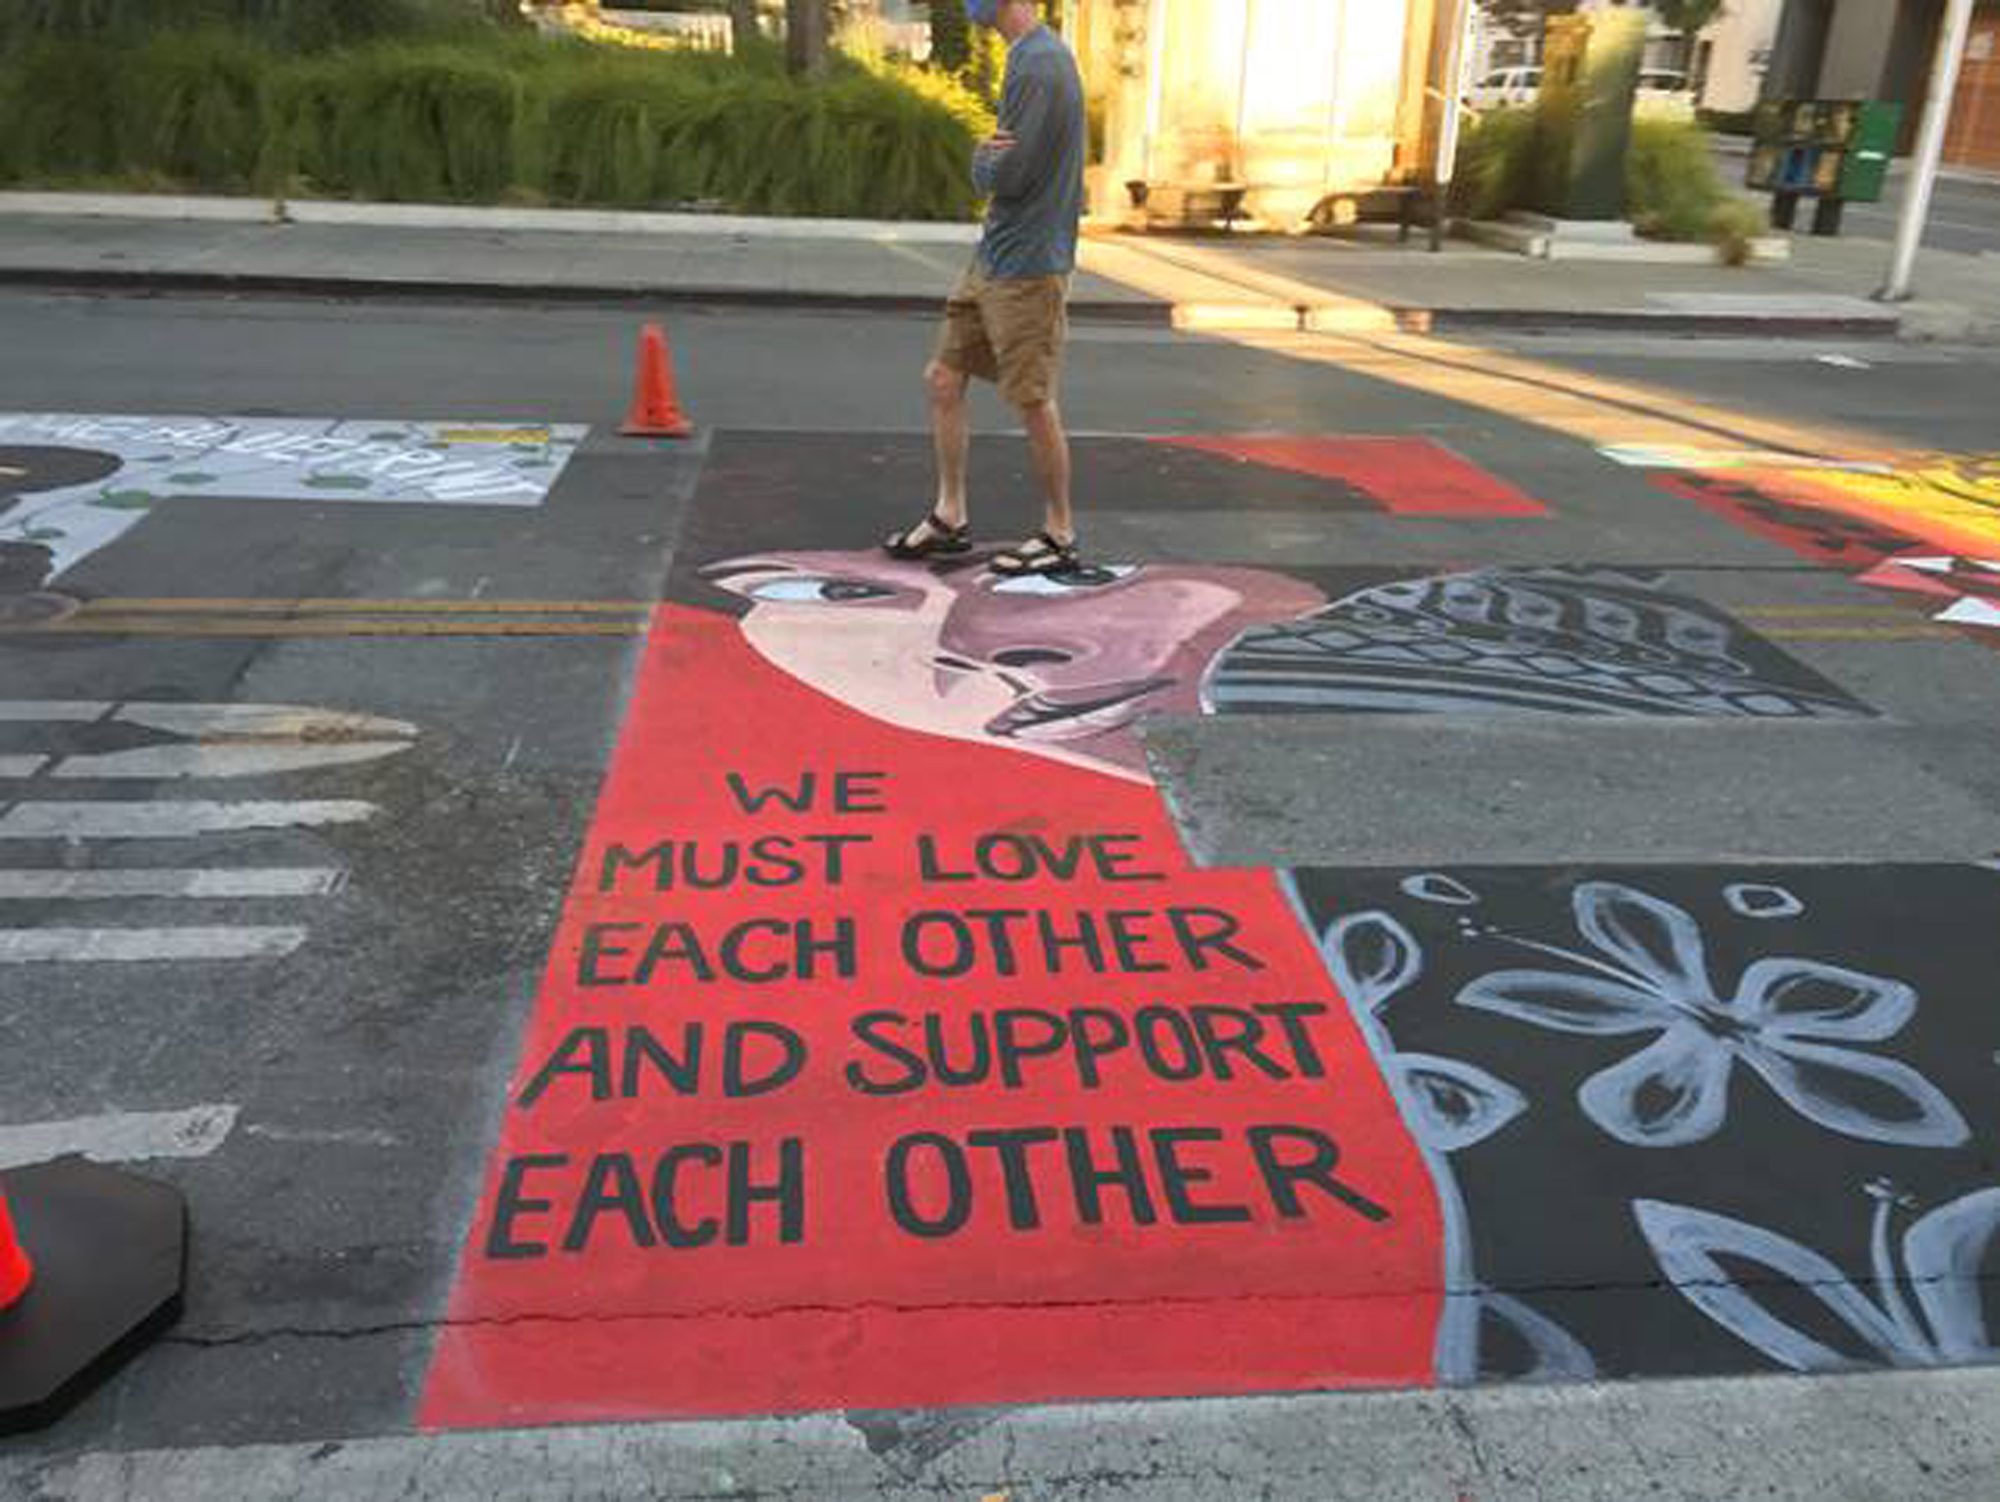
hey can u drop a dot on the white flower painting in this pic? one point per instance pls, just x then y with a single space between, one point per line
1799 1025
1940 1320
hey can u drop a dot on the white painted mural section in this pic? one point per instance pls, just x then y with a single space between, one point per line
75 482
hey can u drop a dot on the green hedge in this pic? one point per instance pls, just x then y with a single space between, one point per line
1672 189
484 116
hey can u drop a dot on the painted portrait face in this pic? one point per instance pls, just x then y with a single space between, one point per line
1063 668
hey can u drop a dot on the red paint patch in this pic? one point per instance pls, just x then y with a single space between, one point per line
1814 532
1408 476
1211 1285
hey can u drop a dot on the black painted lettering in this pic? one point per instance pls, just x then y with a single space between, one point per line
957 941
834 848
589 965
739 1081
726 865
774 864
733 944
1230 1030
868 1029
672 943
1011 1146
939 1048
841 948
1323 1156
1183 1062
1291 1015
1095 1032
787 1192
1114 864
683 1074
1200 929
1013 1040
611 1187
1082 938
928 865
674 1231
510 1203
660 857
1126 943
751 803
1018 863
852 793
1088 1180
1177 1176
583 1050
957 1179
999 923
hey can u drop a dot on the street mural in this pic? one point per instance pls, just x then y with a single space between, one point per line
1927 527
70 484
1759 1104
892 1053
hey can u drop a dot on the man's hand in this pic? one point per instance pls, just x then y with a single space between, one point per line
999 143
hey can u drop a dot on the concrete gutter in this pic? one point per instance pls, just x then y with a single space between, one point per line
1898 1437
603 294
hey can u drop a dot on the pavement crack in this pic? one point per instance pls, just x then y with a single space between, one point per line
608 1317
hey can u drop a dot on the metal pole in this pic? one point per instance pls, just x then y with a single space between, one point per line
1454 67
1930 147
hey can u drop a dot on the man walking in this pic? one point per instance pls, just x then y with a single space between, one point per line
1006 320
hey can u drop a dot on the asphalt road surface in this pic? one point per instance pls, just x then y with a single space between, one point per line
1552 939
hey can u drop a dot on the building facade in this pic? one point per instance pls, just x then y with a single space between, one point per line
1882 49
1292 99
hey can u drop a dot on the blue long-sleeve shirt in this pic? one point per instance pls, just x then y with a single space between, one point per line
1037 185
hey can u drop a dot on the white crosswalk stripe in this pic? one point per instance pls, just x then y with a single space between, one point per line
195 882
51 742
23 946
80 820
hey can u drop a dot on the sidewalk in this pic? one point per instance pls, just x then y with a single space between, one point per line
357 250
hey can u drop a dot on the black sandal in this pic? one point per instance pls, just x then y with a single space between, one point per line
944 538
1041 554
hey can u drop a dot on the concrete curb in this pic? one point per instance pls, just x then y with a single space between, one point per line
1886 325
257 284
1211 318
463 216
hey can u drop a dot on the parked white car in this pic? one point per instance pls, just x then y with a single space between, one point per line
1664 92
1503 87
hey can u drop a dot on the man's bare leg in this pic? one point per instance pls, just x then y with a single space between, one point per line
951 428
1050 446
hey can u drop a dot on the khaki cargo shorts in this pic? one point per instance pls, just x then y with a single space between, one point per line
1009 330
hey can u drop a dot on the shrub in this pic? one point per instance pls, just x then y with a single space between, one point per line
1494 171
485 116
1671 186
1676 194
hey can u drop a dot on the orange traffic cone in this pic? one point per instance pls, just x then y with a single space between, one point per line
656 411
16 1271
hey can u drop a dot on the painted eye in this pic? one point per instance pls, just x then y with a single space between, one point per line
806 587
1092 576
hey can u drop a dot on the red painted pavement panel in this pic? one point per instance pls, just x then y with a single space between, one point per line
1408 476
859 1311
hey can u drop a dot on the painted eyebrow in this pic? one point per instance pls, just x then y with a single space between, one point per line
715 573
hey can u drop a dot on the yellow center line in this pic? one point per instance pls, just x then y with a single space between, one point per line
1863 633
364 606
331 626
